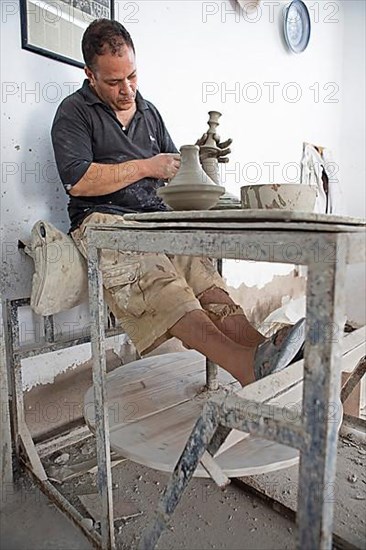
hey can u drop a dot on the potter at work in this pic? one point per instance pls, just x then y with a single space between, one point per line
114 155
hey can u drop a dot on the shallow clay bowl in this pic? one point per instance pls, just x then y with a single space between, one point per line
280 196
191 197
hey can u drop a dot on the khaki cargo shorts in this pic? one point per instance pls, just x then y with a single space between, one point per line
149 293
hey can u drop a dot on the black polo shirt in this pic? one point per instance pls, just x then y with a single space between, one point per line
86 130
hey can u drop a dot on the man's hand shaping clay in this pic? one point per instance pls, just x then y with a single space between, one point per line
223 148
163 166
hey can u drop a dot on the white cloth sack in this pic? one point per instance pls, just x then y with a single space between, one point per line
317 165
60 280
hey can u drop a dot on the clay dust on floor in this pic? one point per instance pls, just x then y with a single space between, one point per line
206 517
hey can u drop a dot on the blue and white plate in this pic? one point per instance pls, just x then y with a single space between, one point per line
297 26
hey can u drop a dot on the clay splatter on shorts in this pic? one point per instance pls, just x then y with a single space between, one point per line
208 265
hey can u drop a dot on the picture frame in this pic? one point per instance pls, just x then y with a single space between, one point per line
54 28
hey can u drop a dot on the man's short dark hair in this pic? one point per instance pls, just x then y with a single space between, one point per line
101 36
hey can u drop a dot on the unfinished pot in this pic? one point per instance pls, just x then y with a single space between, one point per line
287 196
191 189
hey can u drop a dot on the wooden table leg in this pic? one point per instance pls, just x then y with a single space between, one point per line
101 406
6 478
321 402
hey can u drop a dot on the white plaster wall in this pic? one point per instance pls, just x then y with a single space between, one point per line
32 87
353 143
36 371
190 55
67 325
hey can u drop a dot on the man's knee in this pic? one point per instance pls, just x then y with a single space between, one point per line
219 312
214 295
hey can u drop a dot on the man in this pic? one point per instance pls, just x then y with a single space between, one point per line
112 152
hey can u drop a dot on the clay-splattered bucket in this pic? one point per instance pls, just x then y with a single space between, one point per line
279 196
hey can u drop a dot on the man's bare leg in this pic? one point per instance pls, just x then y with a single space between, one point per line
197 331
236 326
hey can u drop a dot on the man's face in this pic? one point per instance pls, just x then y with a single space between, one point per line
114 78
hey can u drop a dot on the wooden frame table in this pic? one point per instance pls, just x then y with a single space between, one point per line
323 243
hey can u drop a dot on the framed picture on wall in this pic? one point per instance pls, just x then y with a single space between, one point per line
54 28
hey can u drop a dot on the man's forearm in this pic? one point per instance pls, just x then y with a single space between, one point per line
103 179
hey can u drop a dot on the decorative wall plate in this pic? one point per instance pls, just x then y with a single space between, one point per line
297 26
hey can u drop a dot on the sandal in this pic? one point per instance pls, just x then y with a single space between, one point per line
279 351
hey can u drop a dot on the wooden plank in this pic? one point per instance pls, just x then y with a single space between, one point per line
353 346
6 472
351 358
96 307
59 474
144 387
244 215
214 471
31 452
353 379
241 244
45 448
254 456
233 226
234 437
290 397
325 307
157 441
353 339
351 403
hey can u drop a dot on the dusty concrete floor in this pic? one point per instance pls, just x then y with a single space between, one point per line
206 518
28 521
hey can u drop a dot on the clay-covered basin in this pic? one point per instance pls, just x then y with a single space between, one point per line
279 196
